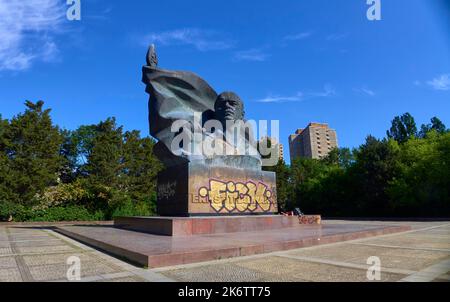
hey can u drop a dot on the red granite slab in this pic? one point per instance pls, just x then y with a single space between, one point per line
158 251
188 226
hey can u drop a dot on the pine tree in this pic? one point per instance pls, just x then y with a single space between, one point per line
6 192
140 166
104 158
403 128
31 148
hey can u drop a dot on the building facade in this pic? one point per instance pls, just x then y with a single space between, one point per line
315 141
280 151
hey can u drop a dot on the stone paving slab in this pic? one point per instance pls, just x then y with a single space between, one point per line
4 244
34 260
50 272
390 258
414 241
440 231
415 225
219 273
18 238
6 251
124 279
45 249
25 231
313 271
273 269
7 262
39 243
10 275
36 254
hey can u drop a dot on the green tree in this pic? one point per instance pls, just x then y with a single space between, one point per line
6 178
322 186
32 152
104 158
403 127
95 171
422 188
341 157
76 148
436 125
307 176
140 166
376 165
284 188
68 153
117 169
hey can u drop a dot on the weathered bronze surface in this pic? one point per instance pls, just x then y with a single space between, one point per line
195 182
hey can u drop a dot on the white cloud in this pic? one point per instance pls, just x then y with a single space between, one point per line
26 30
336 37
327 91
102 15
203 40
442 82
364 90
299 36
281 99
255 54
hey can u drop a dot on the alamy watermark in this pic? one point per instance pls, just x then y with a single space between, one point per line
374 10
74 271
74 10
374 270
226 138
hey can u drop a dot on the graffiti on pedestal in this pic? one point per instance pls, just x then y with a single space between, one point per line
167 190
236 196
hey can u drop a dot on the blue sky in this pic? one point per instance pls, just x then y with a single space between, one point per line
293 61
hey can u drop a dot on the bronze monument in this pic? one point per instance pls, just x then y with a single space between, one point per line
212 166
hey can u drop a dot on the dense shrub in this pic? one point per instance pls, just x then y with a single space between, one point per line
133 209
60 213
68 213
7 210
61 195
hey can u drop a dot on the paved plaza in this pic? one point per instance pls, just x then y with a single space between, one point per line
423 254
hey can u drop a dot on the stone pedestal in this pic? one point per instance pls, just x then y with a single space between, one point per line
198 189
190 226
159 251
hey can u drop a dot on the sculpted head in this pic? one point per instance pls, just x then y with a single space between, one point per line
229 107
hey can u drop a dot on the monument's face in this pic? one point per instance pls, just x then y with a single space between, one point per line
229 107
203 184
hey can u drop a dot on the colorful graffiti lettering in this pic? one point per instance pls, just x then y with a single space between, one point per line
239 197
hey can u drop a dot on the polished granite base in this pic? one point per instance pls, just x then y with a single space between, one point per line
158 251
189 226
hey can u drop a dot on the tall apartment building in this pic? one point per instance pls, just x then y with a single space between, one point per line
315 141
280 151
